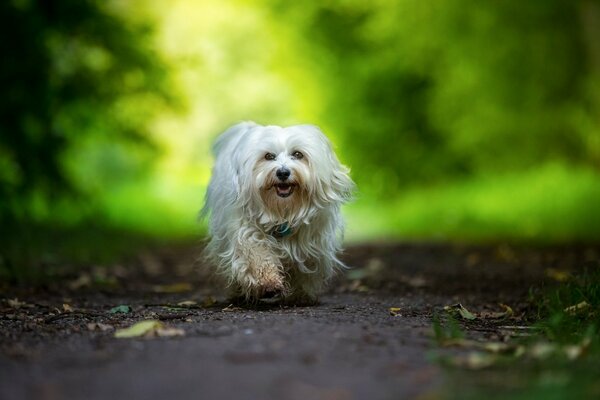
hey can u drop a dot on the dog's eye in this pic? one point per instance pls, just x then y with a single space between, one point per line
297 155
270 156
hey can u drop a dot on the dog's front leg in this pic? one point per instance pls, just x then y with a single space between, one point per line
256 269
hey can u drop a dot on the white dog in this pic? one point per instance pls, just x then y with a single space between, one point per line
274 202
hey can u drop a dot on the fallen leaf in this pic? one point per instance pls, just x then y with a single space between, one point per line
231 308
139 329
122 309
173 288
395 311
98 326
187 303
461 310
15 303
67 308
148 328
584 305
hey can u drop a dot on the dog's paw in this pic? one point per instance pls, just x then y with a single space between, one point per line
266 282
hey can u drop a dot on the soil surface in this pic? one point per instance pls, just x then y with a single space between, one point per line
58 341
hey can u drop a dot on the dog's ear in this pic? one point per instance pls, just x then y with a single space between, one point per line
333 183
337 182
228 180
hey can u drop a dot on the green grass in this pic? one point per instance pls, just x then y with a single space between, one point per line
552 203
551 376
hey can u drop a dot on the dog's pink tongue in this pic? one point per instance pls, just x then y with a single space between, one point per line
283 188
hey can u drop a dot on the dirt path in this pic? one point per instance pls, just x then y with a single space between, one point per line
57 342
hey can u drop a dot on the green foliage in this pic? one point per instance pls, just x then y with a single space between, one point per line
73 72
570 312
426 91
459 120
550 203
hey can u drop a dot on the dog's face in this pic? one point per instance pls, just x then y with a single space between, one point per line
293 170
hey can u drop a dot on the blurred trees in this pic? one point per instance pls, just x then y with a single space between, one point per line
429 91
72 72
414 93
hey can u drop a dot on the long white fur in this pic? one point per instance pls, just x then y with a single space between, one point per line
244 210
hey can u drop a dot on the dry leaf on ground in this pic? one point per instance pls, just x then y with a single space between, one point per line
148 328
98 326
460 310
395 311
187 303
15 303
232 308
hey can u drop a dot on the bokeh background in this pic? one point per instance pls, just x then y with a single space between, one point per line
460 120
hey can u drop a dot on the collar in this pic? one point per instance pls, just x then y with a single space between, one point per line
281 231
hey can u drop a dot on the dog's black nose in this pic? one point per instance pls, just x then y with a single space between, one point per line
283 173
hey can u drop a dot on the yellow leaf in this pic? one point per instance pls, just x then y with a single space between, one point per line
395 311
187 303
139 329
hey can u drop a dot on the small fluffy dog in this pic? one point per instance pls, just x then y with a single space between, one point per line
274 203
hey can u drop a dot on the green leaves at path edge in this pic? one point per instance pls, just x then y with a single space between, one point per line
122 309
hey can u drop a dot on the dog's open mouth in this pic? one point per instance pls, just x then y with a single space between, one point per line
284 189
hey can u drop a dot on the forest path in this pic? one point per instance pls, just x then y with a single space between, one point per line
58 342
